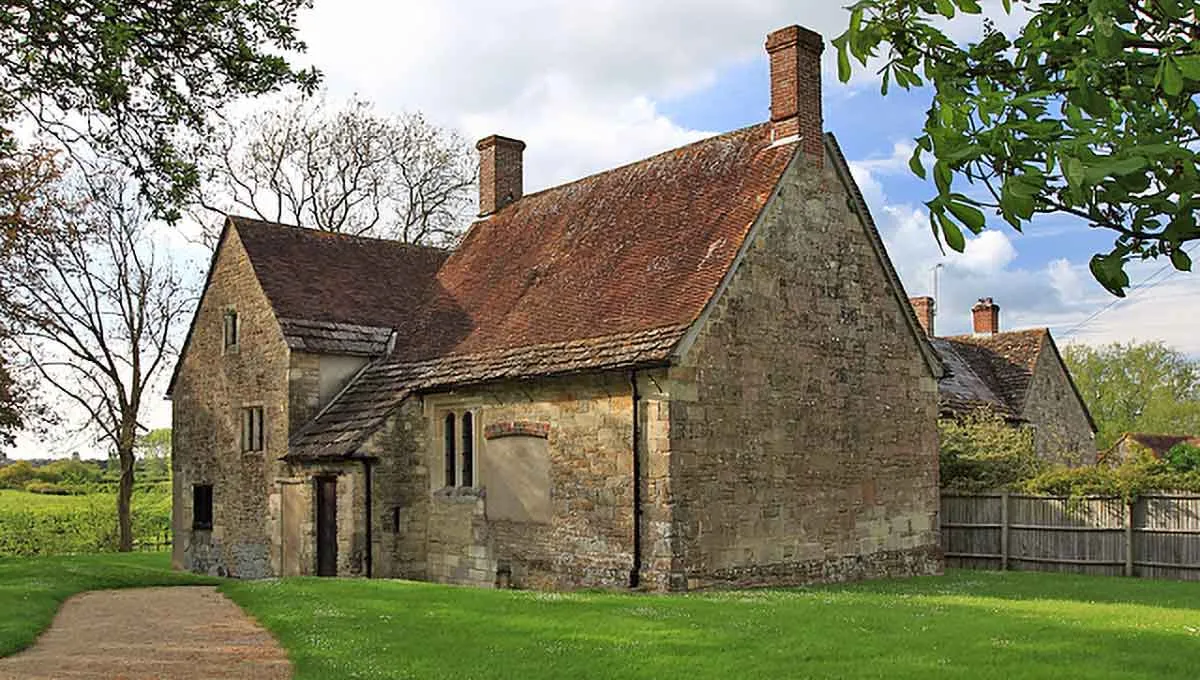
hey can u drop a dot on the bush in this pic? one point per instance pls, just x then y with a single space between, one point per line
982 452
1184 457
48 488
17 475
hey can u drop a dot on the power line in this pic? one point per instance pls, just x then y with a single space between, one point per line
1144 285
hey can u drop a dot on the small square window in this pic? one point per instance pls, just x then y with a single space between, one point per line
202 506
252 429
231 328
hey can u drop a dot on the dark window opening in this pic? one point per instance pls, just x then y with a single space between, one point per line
396 520
468 449
231 328
449 449
202 506
252 429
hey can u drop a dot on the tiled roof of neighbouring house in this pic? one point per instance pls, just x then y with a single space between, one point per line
995 371
1158 444
1003 361
961 390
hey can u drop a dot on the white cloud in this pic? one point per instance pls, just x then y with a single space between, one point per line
1061 294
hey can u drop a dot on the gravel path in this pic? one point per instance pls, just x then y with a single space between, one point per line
143 633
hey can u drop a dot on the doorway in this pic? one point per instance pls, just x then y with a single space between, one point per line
326 488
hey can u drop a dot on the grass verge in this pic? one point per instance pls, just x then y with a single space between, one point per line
33 588
967 624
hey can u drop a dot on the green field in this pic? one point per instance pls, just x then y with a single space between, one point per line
40 524
976 625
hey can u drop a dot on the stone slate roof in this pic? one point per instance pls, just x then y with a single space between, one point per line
961 390
995 371
1005 361
350 418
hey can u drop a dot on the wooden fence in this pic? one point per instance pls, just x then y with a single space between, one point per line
1155 536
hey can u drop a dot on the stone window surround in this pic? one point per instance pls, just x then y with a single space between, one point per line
246 445
435 411
230 313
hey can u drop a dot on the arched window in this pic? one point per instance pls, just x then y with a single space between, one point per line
468 449
449 452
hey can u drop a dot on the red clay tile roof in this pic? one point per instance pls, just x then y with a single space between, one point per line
609 271
311 275
638 247
1158 444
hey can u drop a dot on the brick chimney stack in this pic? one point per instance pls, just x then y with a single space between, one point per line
795 56
986 315
500 172
923 306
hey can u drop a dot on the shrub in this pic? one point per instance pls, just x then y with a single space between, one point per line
48 488
17 475
982 451
1184 457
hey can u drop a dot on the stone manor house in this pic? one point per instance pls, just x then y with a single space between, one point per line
696 370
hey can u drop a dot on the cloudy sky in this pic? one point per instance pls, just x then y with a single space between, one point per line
592 85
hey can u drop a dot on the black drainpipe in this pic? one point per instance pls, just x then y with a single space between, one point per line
370 538
635 573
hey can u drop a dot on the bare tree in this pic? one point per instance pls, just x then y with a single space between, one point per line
96 314
345 169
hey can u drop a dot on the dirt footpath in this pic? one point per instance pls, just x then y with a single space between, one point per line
143 633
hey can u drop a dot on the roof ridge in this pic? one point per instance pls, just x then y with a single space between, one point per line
240 220
972 336
623 166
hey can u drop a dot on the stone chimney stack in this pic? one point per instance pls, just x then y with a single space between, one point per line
500 172
986 315
795 56
923 306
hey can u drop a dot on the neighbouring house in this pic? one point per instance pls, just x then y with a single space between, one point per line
698 369
1018 375
1132 445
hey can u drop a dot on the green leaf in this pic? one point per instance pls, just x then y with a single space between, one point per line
969 7
915 164
843 59
1109 270
1172 77
946 8
1008 6
954 236
942 177
1189 66
1181 260
971 217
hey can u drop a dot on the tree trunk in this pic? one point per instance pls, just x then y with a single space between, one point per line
125 497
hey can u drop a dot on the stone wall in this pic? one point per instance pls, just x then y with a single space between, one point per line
587 541
212 386
1062 433
802 435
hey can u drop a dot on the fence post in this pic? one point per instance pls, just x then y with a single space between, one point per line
1129 534
1004 530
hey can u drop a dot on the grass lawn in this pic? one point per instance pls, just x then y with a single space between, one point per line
970 624
32 588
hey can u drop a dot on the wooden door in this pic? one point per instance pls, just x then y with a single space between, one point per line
326 526
293 511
